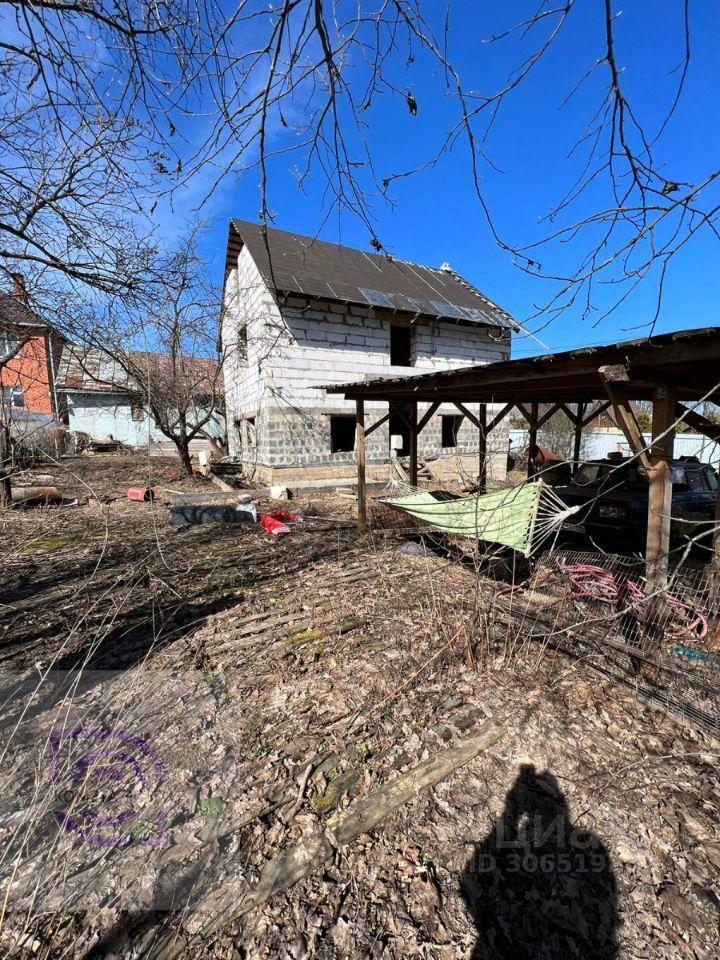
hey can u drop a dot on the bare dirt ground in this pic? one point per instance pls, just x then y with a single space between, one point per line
274 686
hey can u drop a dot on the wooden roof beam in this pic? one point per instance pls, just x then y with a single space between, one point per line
377 424
698 422
427 415
556 408
596 411
466 413
499 417
614 377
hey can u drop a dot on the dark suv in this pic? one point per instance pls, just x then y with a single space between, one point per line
615 492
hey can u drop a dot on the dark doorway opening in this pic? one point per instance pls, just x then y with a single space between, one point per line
450 427
342 434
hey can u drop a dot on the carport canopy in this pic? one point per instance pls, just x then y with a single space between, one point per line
676 372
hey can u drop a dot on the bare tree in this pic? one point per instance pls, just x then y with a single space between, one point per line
167 351
85 86
110 107
558 435
308 83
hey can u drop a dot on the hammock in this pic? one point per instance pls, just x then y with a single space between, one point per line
518 517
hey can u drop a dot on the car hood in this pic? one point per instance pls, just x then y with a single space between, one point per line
576 495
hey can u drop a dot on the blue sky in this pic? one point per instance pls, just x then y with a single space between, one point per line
435 216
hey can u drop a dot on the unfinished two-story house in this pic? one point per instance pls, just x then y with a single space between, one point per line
301 313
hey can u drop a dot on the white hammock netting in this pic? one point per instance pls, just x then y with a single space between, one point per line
518 517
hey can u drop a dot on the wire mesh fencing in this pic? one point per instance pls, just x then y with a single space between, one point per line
598 607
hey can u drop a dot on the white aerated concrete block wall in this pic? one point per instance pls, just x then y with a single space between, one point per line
293 353
251 325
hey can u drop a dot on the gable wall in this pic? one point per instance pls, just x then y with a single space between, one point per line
106 414
323 346
343 344
292 353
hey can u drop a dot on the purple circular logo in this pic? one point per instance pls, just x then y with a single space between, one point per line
99 769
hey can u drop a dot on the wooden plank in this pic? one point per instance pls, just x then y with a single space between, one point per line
525 412
614 373
572 417
577 438
532 439
367 813
428 414
500 416
698 422
597 409
626 419
377 424
549 413
360 457
466 413
293 864
716 547
482 449
659 503
222 484
413 443
5 482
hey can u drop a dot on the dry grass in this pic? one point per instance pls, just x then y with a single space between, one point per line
244 662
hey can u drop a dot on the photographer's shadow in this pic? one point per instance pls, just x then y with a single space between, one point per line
538 888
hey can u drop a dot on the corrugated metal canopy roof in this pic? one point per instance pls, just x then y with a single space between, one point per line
313 268
688 360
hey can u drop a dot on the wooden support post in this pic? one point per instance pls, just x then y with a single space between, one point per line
482 449
413 443
5 483
659 500
613 378
360 456
577 441
532 439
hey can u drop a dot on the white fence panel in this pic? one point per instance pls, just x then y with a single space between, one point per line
600 444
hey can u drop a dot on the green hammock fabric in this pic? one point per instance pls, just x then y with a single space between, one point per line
505 516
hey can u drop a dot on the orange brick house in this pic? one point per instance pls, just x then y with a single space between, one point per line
29 356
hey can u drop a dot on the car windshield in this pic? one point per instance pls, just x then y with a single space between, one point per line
594 473
590 473
627 474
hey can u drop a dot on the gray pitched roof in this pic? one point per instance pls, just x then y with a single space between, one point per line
329 271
